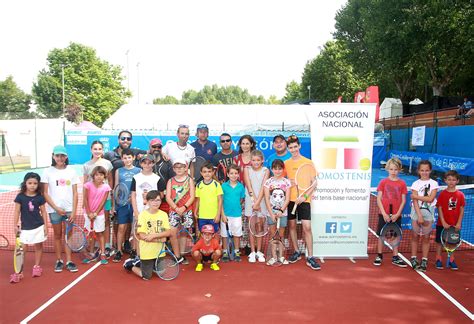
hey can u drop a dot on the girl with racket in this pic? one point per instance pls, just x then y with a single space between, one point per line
391 198
95 195
255 176
277 198
246 145
60 191
30 207
423 198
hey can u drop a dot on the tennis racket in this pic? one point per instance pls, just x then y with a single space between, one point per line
121 195
230 243
258 225
18 255
185 240
391 233
276 248
3 242
305 180
166 264
198 163
451 240
221 173
90 252
76 238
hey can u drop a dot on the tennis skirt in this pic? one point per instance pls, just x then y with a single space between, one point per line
33 236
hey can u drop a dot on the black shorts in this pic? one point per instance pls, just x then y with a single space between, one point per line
146 266
382 223
207 258
439 230
303 211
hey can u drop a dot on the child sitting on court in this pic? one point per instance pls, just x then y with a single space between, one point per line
450 205
207 249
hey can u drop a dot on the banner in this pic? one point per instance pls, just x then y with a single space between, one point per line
418 136
341 148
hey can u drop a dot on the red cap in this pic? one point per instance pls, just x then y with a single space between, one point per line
155 141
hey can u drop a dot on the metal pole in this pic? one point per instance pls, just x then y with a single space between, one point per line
309 93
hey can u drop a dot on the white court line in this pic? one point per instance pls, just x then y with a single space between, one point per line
59 294
435 285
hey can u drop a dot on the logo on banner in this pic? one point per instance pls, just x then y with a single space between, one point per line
331 227
346 227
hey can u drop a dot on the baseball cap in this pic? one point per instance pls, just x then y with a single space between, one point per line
147 157
156 141
208 228
280 137
202 126
59 149
180 161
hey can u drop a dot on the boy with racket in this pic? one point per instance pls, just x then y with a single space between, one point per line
207 249
300 202
151 235
451 203
391 197
123 206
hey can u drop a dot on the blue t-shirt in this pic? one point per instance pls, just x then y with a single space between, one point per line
273 157
30 210
232 199
126 175
207 150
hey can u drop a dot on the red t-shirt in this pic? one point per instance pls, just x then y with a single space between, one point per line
206 249
450 203
392 192
240 162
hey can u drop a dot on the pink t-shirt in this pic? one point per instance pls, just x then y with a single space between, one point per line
95 196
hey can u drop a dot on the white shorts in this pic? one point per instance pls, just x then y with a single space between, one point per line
235 227
428 214
33 236
99 223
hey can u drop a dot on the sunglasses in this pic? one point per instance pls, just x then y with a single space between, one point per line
183 126
125 138
157 146
226 141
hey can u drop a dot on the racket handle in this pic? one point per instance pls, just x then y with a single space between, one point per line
294 209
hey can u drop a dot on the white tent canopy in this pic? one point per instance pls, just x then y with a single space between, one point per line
217 117
391 107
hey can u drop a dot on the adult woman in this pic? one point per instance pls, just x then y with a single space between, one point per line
246 145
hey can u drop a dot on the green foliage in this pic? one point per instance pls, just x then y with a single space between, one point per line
292 92
168 100
14 103
89 82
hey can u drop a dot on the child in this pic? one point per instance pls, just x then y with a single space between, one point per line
152 230
95 196
208 199
124 175
255 176
422 210
207 249
390 191
234 195
60 191
30 205
450 205
180 197
277 198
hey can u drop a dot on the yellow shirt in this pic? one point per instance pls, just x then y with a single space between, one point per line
291 166
208 198
151 224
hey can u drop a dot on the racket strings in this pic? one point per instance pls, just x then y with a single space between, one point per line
167 267
258 226
75 239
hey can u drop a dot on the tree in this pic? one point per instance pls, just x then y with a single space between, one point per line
292 92
220 95
168 100
89 82
14 103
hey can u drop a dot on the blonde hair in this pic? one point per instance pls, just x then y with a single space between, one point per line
395 161
257 153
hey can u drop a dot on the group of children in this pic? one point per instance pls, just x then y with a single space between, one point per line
391 199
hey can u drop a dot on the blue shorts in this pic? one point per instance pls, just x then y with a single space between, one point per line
125 214
55 218
202 222
283 221
108 205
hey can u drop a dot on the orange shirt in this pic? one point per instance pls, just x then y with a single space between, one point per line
206 249
291 166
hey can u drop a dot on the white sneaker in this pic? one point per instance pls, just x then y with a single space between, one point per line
252 257
283 260
260 256
271 261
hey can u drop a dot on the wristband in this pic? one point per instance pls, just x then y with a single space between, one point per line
305 196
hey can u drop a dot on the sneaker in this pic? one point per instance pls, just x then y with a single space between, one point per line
93 258
185 261
378 261
16 277
283 260
439 265
181 260
414 263
423 265
108 252
453 265
252 257
225 256
117 257
271 261
237 257
199 267
58 267
260 256
294 257
37 271
215 267
71 266
312 263
103 259
133 254
396 260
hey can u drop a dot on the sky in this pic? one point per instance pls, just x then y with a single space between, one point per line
167 47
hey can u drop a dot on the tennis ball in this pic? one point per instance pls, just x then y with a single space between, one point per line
364 164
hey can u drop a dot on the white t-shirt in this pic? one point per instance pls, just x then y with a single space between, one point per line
175 152
424 188
60 182
90 165
143 183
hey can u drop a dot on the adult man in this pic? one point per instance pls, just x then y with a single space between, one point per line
303 210
227 154
202 146
114 156
281 151
180 149
163 168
